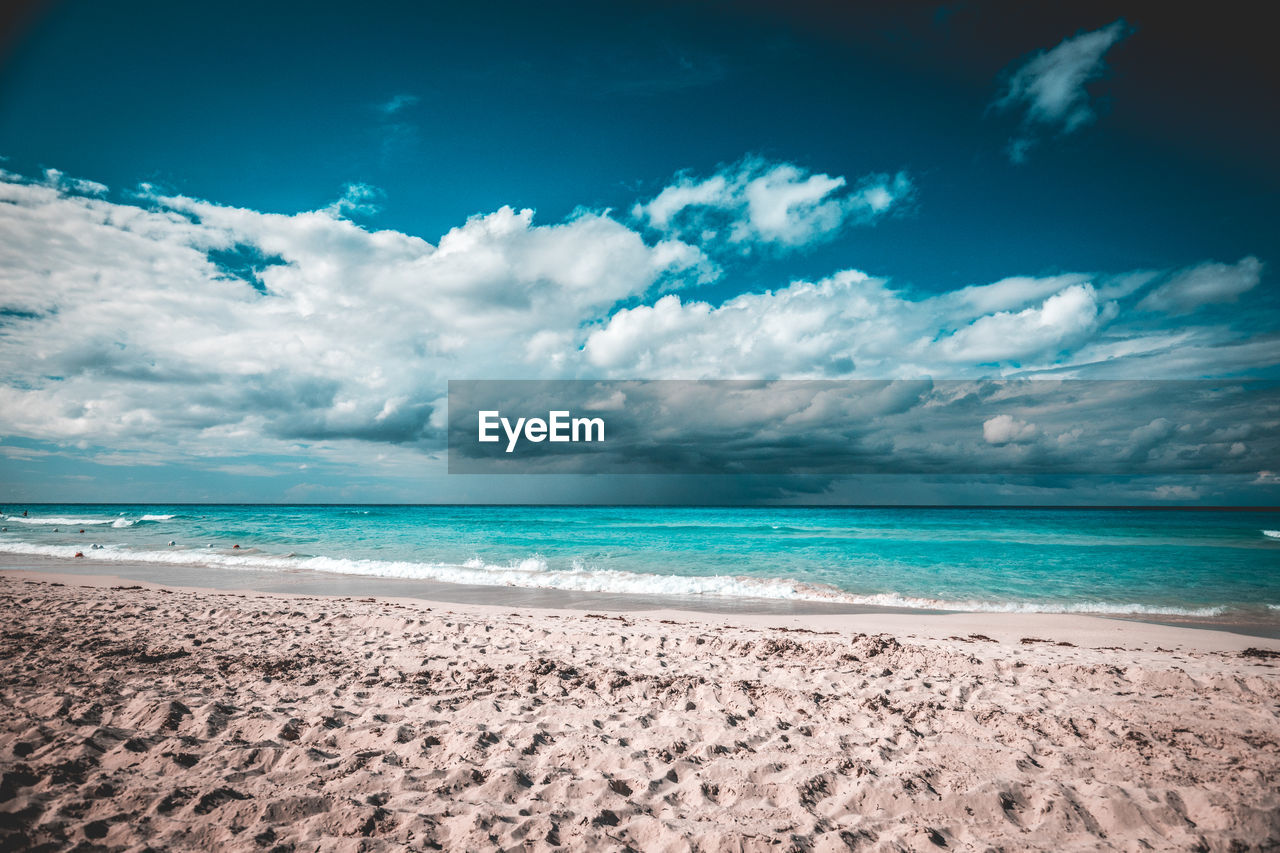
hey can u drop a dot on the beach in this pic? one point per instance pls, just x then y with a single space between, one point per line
696 427
137 716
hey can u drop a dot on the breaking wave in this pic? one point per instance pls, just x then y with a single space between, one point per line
67 521
57 519
534 573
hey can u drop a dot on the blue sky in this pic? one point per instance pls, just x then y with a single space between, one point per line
277 106
1103 170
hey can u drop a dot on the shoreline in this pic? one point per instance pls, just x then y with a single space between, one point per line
720 609
1083 630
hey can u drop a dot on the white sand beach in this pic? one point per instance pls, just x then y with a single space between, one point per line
137 717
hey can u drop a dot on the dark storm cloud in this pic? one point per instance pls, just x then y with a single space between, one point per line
1006 427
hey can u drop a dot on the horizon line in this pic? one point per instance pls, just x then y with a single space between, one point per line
1182 508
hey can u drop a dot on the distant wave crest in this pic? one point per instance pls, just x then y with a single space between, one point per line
66 521
57 519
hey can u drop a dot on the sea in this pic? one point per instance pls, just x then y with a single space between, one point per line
1163 564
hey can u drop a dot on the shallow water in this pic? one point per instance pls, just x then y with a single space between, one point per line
1154 563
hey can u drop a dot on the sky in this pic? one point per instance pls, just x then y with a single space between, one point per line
244 247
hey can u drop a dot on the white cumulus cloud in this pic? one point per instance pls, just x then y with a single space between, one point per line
172 325
755 202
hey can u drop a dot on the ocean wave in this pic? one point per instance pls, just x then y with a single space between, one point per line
67 521
1272 534
528 565
534 573
57 519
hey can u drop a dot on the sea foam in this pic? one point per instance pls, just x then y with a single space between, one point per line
67 521
534 573
57 519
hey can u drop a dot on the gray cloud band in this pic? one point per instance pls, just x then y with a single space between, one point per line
1001 427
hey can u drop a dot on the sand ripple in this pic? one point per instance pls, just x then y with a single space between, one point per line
134 718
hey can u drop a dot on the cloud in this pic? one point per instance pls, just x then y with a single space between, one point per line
357 198
177 326
120 329
16 452
397 103
970 426
1145 440
397 134
1067 317
1205 284
1006 429
849 324
1049 89
1176 493
855 325
757 203
56 179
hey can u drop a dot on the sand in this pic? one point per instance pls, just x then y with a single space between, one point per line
135 717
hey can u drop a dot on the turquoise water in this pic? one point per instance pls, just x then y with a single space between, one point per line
1205 564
